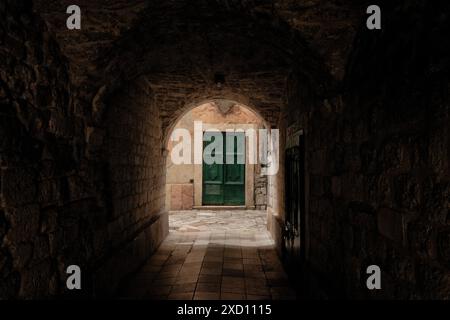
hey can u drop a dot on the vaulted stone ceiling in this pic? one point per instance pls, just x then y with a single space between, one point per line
125 38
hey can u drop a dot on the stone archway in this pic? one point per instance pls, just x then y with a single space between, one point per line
269 116
222 115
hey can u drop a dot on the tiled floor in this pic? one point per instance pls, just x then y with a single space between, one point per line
211 255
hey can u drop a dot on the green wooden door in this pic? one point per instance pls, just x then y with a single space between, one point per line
224 175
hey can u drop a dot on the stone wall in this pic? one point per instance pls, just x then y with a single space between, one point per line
260 190
134 161
378 162
66 197
41 144
262 91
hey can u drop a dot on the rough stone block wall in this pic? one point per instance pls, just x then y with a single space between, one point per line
41 143
136 162
65 196
260 191
177 94
136 169
378 163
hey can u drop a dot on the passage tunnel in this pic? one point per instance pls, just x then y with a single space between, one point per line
363 151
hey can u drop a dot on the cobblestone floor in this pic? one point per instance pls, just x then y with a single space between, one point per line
212 255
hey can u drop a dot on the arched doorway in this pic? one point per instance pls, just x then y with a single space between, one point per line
235 181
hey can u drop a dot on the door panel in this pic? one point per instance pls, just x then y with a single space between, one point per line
224 184
212 175
234 180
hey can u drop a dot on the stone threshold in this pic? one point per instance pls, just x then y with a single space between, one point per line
223 208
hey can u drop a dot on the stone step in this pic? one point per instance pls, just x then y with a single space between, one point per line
222 208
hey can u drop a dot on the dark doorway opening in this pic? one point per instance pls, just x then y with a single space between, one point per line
294 240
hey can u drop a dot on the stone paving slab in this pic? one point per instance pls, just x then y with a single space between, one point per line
213 255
